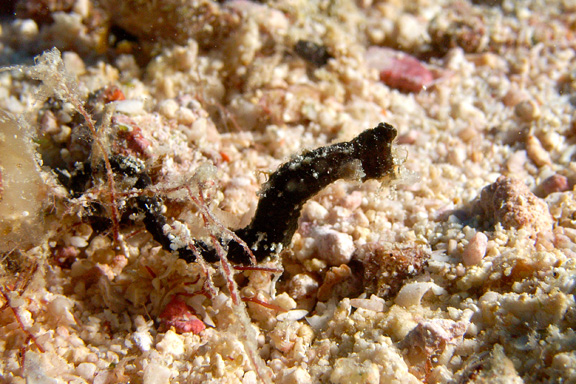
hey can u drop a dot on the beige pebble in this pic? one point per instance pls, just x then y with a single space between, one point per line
168 108
536 152
302 285
86 370
352 201
297 375
409 137
475 250
409 31
516 163
155 373
333 278
527 110
27 29
286 302
314 211
73 63
476 156
491 60
514 97
467 134
185 116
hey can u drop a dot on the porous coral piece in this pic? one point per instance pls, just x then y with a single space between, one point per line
386 269
509 202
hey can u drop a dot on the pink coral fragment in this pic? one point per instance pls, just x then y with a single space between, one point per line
475 250
555 183
399 70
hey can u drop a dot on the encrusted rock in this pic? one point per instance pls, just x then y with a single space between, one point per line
509 201
385 269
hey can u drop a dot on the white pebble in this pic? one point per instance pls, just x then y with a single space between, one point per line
352 201
293 315
35 369
82 7
409 31
86 370
168 108
475 250
130 107
240 182
73 63
336 248
60 310
27 28
375 304
284 301
297 375
78 242
302 285
199 129
185 116
314 211
156 374
171 344
143 340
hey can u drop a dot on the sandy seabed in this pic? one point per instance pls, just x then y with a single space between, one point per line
458 267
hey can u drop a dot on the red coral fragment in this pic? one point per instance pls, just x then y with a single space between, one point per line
181 316
112 93
399 70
